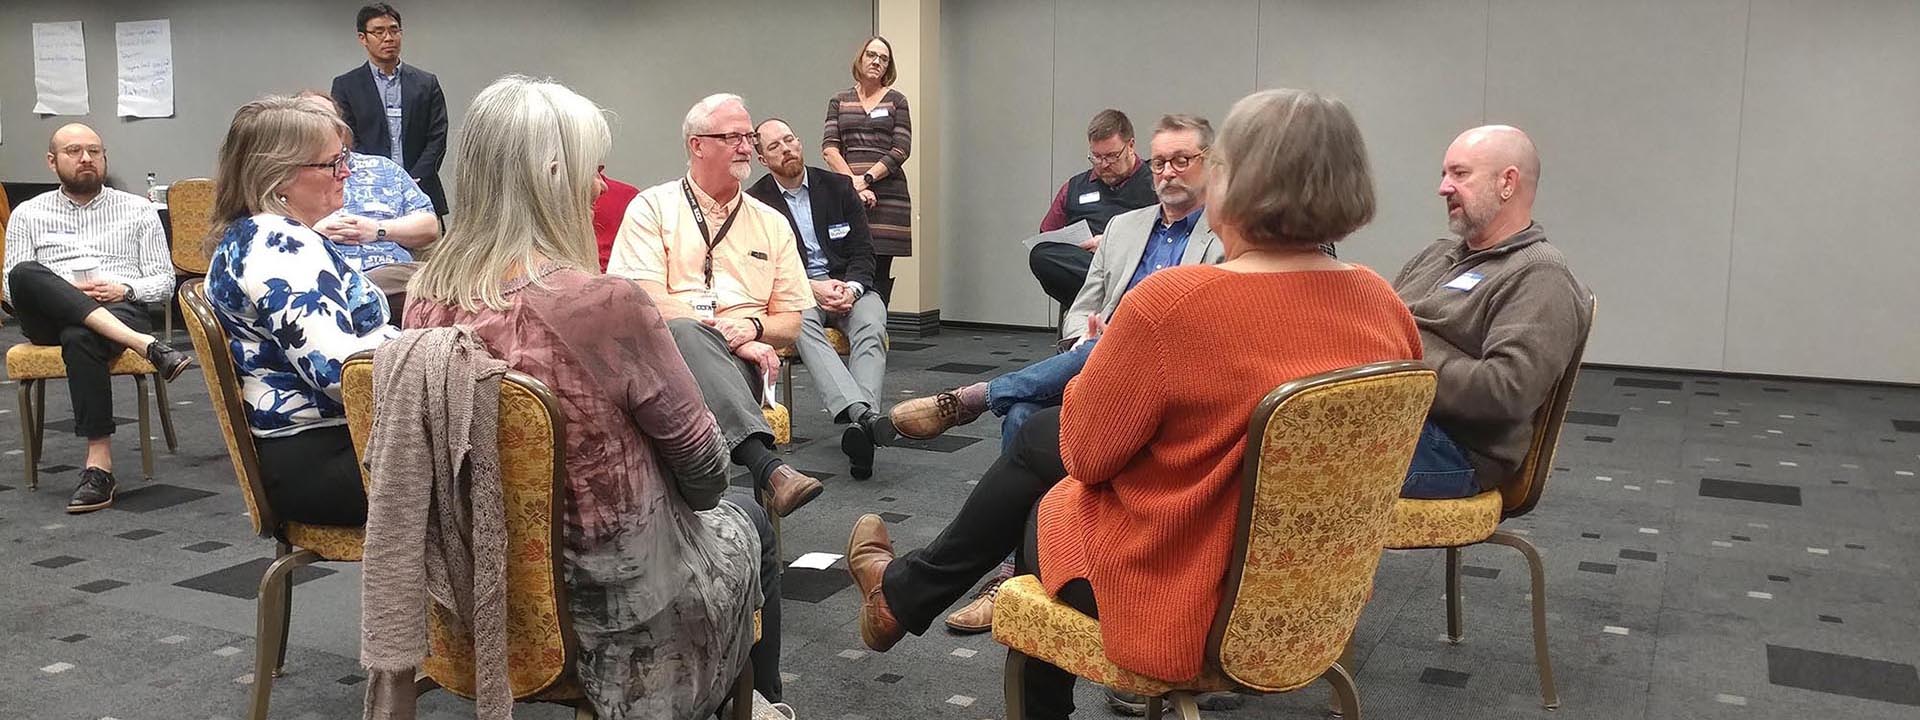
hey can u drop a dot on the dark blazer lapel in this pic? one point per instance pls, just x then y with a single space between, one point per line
823 211
767 191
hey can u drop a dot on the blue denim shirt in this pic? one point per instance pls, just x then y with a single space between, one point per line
389 86
379 189
800 201
1165 245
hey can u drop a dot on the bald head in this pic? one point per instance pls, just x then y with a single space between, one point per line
1502 146
72 133
76 155
1488 178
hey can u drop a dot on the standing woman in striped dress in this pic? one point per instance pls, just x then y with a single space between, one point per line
869 135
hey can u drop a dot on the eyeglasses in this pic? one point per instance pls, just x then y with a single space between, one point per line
79 151
392 32
1106 158
728 138
1179 163
337 165
871 55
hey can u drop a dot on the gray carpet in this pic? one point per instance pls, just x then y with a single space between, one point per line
1714 547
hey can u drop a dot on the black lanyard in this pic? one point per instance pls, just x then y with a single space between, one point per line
700 218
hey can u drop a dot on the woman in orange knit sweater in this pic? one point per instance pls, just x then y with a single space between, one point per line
1123 500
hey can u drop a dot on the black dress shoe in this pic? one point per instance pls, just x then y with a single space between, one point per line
872 429
170 362
94 493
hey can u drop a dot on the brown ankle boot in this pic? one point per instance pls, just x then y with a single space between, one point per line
868 553
790 490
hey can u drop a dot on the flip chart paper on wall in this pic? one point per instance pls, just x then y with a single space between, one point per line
146 68
59 69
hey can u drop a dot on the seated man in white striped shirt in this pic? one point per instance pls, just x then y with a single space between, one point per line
82 264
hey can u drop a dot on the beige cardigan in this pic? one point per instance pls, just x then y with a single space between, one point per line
436 528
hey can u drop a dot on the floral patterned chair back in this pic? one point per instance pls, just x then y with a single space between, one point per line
540 640
190 213
1326 456
1521 492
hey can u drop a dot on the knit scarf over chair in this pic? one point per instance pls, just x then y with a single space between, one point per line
436 526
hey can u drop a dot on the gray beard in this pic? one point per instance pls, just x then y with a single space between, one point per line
740 171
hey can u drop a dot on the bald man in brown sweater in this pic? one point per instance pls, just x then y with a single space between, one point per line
1499 313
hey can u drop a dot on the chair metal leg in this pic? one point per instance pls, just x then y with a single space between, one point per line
1549 697
272 625
1155 707
1185 706
1016 689
286 623
742 694
28 428
39 418
584 712
786 383
1345 695
1349 662
146 427
165 406
1453 596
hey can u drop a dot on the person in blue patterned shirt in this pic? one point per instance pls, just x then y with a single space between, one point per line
294 307
384 216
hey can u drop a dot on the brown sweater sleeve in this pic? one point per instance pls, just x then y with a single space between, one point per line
1537 320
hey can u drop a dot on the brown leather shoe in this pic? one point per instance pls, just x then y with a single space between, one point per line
868 553
790 490
924 418
977 616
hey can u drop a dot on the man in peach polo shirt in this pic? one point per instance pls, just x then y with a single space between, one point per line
724 270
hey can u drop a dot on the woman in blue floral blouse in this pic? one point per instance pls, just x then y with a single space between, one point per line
292 306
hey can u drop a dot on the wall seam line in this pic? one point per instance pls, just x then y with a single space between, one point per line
1733 220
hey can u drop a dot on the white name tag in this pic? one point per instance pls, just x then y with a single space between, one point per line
1090 198
835 232
703 304
393 112
878 112
1465 282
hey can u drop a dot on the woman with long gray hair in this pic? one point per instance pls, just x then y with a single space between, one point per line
663 573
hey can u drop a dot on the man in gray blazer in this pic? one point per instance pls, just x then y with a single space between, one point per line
1137 243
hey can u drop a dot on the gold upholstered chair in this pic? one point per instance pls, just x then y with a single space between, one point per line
1326 457
295 544
791 354
30 366
541 644
1457 523
189 219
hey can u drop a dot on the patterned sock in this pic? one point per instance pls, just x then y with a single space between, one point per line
973 397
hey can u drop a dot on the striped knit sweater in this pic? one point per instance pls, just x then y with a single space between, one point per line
1153 430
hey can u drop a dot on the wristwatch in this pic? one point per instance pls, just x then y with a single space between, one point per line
759 330
867 178
379 231
129 292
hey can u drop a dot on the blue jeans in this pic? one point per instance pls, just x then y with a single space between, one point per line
1017 395
1440 468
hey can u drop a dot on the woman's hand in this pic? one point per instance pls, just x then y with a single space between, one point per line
867 198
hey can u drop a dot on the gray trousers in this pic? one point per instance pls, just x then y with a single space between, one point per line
730 385
858 381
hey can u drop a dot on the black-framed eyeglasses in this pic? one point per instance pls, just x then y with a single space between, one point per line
734 138
383 32
1180 163
871 55
338 164
1106 158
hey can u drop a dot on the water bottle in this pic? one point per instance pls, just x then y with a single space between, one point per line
153 184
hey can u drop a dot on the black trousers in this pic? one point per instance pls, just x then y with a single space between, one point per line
313 477
765 655
53 312
997 518
1061 269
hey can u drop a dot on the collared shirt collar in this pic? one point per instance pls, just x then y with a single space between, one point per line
711 206
1184 224
95 202
376 71
1533 233
805 183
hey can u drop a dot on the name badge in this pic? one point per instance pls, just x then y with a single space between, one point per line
1090 198
1465 282
878 112
838 231
393 112
703 304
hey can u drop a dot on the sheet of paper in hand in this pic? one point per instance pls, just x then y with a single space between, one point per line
1072 235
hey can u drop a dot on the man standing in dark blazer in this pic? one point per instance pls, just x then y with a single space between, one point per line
830 224
395 110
